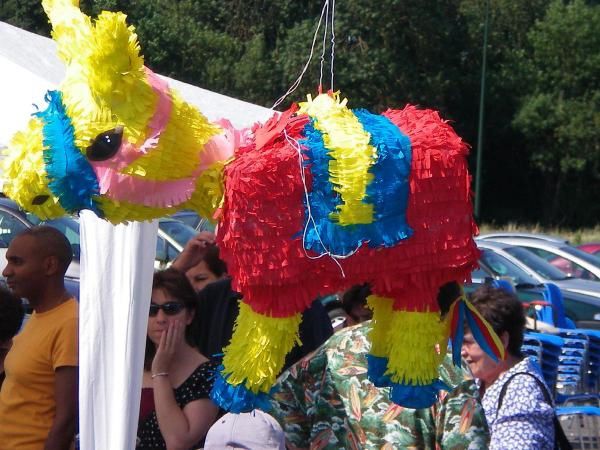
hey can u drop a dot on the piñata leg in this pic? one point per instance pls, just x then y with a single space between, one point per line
253 359
405 353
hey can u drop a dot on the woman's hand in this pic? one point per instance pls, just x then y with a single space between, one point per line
170 340
194 251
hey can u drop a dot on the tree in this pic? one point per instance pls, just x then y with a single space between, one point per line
510 191
560 113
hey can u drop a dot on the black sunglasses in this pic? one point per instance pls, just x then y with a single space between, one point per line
169 308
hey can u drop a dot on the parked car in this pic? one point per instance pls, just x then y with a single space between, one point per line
582 309
569 259
592 248
192 219
537 268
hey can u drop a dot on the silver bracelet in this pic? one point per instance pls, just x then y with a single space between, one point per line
161 374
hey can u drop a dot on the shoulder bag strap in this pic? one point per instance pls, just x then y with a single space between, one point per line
560 439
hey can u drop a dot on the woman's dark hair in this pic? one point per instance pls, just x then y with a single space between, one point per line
214 263
11 314
504 312
176 285
447 294
355 296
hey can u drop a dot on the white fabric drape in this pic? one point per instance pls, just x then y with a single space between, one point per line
117 264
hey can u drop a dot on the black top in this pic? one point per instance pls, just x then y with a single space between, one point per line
218 309
196 387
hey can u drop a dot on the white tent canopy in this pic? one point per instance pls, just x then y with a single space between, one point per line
29 67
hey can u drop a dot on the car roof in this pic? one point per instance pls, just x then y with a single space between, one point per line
10 204
485 243
533 236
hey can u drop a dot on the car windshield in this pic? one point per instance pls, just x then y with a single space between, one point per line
587 257
502 267
190 218
537 264
179 231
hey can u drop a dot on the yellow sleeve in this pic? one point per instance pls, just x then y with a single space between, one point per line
65 351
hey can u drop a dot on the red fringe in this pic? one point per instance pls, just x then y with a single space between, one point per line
263 218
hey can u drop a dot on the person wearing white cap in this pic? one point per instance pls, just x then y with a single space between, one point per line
255 430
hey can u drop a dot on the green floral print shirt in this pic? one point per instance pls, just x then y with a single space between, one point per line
326 401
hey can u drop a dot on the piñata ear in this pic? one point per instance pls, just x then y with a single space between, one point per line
115 64
71 29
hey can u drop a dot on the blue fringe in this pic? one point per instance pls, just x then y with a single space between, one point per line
388 192
237 399
460 334
71 178
376 367
407 395
417 397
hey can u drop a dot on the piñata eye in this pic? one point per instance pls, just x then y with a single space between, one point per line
105 145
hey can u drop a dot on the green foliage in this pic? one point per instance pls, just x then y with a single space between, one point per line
541 136
560 112
26 14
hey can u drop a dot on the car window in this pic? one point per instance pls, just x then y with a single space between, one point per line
10 227
172 253
571 268
479 274
537 264
161 249
178 231
587 257
580 310
191 219
502 267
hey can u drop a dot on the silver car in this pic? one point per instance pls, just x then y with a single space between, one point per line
570 260
538 268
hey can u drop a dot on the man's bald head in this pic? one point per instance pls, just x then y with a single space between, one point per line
51 242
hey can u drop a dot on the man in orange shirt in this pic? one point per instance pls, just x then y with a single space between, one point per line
38 400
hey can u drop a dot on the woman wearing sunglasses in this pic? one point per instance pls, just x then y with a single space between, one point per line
175 411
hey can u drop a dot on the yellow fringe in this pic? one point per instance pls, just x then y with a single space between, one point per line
348 145
382 320
25 174
180 145
416 347
258 348
209 192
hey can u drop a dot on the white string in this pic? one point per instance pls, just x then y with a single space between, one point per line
332 41
294 86
310 219
324 45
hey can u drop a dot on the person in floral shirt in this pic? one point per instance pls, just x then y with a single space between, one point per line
326 401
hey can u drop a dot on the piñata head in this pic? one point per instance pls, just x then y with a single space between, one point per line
114 138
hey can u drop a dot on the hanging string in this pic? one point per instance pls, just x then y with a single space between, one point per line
324 46
332 42
295 85
310 221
